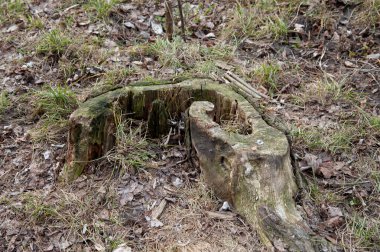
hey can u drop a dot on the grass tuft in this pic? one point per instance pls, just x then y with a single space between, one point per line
333 140
369 14
53 43
4 101
267 74
327 90
101 9
178 54
12 9
258 21
54 105
38 210
366 231
35 23
118 75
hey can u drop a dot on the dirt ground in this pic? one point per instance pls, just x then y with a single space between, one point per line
320 61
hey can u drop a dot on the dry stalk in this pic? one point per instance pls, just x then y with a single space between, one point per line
169 19
182 19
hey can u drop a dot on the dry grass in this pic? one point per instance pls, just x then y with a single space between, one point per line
52 105
262 20
131 148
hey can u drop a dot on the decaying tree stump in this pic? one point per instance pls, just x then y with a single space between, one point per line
251 171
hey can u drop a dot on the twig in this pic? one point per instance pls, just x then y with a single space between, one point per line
240 83
240 88
70 8
182 19
169 19
168 138
178 163
156 213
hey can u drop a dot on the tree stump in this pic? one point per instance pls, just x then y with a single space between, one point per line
252 171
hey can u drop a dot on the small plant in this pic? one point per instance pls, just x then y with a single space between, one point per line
369 14
309 136
116 76
206 67
4 101
342 139
168 52
367 232
101 8
53 105
374 122
276 27
53 43
267 74
177 53
334 140
38 211
327 90
35 23
12 9
59 101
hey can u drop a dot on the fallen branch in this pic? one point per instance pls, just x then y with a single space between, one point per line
221 216
244 85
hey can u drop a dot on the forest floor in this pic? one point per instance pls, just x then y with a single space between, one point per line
319 59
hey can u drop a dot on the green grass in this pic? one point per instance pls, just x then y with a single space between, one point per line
267 74
35 23
327 90
374 122
258 21
38 211
368 14
58 101
335 141
116 76
366 231
177 53
206 67
54 42
171 53
53 105
4 101
100 9
12 9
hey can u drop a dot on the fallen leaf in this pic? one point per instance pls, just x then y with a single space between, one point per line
325 172
333 222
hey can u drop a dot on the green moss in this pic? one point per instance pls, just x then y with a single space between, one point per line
138 97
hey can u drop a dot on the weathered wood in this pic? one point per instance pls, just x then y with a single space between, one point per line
253 171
